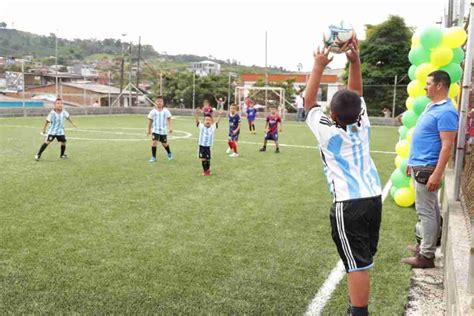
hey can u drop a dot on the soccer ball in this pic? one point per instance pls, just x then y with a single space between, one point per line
336 36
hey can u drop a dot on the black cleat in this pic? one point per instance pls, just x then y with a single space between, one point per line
263 149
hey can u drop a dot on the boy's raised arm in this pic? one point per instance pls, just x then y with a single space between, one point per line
321 60
355 72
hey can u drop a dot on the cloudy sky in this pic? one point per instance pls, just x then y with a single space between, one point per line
224 29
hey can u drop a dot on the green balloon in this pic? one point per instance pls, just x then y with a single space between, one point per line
411 72
402 131
418 55
458 55
393 190
420 104
454 71
403 166
400 179
409 119
431 37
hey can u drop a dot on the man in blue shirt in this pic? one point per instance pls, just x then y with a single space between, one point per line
431 146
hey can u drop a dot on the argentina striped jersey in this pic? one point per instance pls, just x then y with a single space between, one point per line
206 134
349 169
160 121
56 122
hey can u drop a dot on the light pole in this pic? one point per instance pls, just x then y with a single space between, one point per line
231 74
56 61
121 70
194 89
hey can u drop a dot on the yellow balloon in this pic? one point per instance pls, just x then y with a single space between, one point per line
398 161
415 89
454 37
455 103
410 134
423 70
441 56
404 197
454 90
403 148
415 39
409 102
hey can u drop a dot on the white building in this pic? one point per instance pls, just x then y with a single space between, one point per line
206 67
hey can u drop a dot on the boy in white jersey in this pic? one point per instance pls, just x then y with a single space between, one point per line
353 179
55 120
160 119
207 130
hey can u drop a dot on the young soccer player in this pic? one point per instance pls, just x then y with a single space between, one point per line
343 139
251 115
207 108
220 102
271 128
207 130
234 131
160 119
55 120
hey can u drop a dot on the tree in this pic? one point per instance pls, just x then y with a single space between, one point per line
384 55
3 25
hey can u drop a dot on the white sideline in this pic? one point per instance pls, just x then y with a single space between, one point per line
337 274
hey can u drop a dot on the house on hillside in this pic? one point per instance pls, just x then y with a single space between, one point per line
206 67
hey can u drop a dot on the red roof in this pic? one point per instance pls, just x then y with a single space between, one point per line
299 78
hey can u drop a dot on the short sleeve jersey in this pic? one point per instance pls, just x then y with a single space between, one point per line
273 121
160 120
206 134
56 121
345 153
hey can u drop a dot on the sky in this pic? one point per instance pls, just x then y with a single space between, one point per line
223 29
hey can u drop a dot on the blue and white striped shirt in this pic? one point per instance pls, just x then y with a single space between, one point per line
349 169
206 135
160 120
56 122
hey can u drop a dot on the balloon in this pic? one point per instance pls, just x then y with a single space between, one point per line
431 37
415 39
423 70
420 104
409 118
403 165
398 161
393 190
404 197
402 131
411 72
402 148
458 55
409 102
415 88
454 90
418 55
454 71
454 37
410 134
400 179
441 56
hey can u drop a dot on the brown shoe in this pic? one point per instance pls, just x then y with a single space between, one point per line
419 262
414 248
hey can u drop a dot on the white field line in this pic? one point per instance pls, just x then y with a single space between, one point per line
337 274
186 136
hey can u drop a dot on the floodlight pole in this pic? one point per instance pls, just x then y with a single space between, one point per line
194 89
56 61
266 71
394 95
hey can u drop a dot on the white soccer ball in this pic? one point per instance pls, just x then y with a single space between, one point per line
337 35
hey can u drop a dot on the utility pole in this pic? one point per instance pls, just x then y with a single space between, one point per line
138 61
266 73
56 66
121 71
394 95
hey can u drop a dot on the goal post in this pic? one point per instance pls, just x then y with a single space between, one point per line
261 97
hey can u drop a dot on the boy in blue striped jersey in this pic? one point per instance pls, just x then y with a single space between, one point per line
344 142
160 119
207 130
55 120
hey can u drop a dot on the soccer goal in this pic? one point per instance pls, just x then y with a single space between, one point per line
261 97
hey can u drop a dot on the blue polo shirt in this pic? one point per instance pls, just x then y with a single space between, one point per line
426 142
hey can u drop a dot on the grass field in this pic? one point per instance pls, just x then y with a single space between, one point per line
106 232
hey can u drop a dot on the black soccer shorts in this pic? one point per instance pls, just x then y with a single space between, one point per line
205 152
60 138
159 137
355 230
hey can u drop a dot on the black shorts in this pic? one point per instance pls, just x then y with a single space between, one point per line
355 230
60 138
233 137
271 136
159 137
205 152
